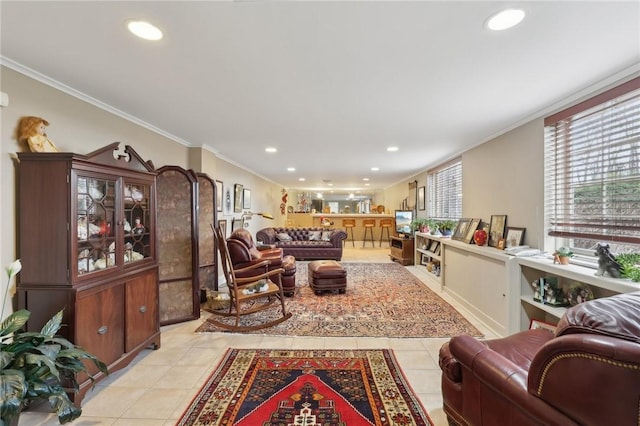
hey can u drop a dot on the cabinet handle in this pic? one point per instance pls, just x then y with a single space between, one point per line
143 308
103 329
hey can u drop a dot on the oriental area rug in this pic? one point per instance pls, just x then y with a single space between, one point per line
306 387
382 300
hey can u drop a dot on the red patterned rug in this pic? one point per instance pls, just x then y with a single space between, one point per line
382 300
306 387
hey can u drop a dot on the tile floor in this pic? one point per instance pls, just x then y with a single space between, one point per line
157 386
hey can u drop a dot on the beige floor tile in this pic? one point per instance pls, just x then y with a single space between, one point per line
156 404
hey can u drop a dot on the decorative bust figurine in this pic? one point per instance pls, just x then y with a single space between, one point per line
32 131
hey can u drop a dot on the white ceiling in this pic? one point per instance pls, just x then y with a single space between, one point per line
330 84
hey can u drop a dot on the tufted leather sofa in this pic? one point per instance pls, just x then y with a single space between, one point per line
301 246
244 253
587 373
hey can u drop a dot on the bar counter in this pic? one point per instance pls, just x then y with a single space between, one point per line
313 219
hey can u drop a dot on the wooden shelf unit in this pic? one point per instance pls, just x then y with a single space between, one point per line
401 250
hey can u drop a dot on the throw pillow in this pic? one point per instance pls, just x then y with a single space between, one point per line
326 235
283 236
315 235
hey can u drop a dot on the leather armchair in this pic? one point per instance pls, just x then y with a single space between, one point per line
587 373
244 253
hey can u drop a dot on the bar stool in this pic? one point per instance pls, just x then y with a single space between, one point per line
349 224
385 225
368 226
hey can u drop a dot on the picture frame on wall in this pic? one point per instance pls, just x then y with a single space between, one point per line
237 224
514 237
421 198
223 225
219 195
246 198
496 229
227 202
237 197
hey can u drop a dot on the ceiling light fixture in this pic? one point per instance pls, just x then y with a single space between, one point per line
144 30
392 148
270 150
375 169
505 19
301 179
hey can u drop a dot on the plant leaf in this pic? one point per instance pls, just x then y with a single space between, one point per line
53 325
13 389
14 322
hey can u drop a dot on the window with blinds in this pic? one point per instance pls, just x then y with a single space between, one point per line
444 191
592 172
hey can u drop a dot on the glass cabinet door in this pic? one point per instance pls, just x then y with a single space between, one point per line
95 220
137 220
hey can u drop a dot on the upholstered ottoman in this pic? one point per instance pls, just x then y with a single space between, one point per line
289 275
327 275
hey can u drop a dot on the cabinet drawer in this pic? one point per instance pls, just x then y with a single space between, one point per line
100 322
141 309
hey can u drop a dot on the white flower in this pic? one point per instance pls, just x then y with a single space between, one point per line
12 271
14 268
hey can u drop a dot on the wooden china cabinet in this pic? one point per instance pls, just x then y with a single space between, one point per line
87 245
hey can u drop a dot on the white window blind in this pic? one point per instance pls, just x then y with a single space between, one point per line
592 171
444 191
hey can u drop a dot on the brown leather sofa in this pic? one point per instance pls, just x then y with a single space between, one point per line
244 253
305 243
587 373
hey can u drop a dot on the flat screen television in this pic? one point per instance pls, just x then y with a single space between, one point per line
403 222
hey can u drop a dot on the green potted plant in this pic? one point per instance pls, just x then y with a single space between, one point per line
447 226
420 224
629 266
38 365
562 255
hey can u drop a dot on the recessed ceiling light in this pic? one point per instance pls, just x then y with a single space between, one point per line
271 150
330 184
301 179
375 169
367 184
365 179
505 19
392 148
291 169
144 30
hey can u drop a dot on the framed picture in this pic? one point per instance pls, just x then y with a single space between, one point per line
227 202
496 229
219 195
246 198
471 229
535 324
501 243
461 230
236 224
514 237
421 199
223 225
434 247
237 198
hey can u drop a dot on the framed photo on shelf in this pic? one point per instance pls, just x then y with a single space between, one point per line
219 195
223 225
246 198
237 197
421 198
461 230
435 245
474 224
535 324
496 229
514 236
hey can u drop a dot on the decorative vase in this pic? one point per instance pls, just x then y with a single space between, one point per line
480 237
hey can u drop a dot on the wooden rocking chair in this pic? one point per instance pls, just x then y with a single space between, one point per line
244 293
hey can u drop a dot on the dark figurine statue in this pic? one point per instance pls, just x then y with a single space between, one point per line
607 264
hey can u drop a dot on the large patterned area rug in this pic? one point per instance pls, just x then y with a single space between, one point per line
306 387
382 300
